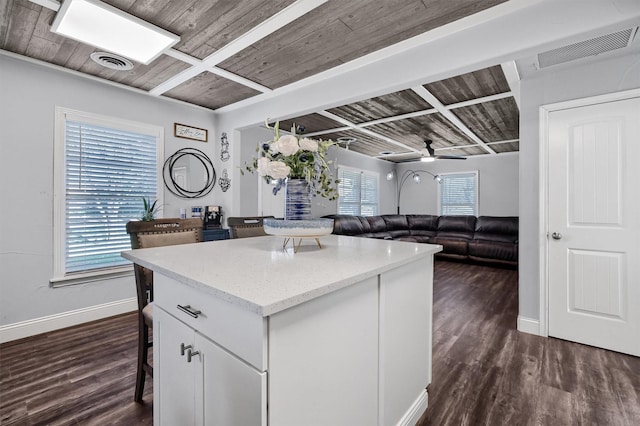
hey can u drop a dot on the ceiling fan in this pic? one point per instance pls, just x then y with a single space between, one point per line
429 152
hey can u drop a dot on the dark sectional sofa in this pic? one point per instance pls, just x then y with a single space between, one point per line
484 239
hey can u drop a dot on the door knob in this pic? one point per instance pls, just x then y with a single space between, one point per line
556 235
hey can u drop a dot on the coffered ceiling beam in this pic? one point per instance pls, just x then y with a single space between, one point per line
49 4
504 141
434 102
257 33
513 79
476 101
365 131
197 65
398 117
333 130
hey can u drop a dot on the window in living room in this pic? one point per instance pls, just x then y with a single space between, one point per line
358 191
458 193
103 168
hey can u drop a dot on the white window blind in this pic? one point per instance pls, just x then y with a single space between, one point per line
358 192
458 193
107 170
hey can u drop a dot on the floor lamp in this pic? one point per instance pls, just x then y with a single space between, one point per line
409 174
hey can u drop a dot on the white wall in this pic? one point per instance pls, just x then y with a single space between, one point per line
497 184
30 93
555 84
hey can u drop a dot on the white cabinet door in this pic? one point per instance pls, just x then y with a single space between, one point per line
174 391
323 360
405 340
233 392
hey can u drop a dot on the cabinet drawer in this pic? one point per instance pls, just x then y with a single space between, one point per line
239 331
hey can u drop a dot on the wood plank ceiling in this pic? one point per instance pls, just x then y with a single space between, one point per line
227 54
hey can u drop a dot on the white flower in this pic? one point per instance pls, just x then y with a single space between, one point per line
286 145
263 166
309 145
278 170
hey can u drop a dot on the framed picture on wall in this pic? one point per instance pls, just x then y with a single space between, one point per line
190 132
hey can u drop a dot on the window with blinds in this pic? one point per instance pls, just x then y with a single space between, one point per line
108 168
458 193
358 191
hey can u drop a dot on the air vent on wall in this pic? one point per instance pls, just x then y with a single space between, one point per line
111 61
584 49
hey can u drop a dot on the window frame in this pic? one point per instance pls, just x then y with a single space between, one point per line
477 190
60 276
362 172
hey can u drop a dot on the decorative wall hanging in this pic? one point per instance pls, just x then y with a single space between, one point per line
224 152
225 182
190 132
189 173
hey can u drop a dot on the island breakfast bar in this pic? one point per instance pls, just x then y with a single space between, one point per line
249 333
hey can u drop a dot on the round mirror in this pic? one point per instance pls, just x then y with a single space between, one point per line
189 173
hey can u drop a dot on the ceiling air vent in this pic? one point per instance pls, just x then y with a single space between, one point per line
587 48
111 61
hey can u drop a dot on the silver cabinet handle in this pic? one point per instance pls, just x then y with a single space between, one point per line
187 309
191 354
183 348
556 235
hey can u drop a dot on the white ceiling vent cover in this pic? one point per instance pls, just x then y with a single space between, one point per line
111 61
584 49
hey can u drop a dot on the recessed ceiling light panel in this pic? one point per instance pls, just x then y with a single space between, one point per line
101 25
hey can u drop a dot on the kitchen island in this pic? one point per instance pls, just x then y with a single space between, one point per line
249 333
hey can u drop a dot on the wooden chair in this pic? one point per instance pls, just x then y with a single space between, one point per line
156 233
242 227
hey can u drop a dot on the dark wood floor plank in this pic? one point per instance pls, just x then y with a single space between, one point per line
484 371
487 373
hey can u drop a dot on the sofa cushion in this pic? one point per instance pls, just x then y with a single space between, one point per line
452 245
376 224
396 225
493 250
422 222
457 227
349 225
491 228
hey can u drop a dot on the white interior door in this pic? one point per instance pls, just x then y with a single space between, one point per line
594 225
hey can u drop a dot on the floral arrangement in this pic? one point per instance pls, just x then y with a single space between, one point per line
294 157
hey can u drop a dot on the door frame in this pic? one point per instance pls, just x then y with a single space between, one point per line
543 212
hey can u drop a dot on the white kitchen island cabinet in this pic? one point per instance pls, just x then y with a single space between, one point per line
247 333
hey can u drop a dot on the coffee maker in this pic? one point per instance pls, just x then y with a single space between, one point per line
212 217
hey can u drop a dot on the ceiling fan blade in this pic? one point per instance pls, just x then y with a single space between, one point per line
432 152
449 157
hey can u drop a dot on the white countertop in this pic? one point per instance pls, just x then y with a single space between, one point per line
257 274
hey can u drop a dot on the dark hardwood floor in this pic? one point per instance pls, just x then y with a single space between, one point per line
484 371
83 375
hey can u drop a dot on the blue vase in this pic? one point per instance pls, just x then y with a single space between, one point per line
297 200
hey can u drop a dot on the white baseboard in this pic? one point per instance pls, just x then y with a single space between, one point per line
529 325
40 325
416 410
